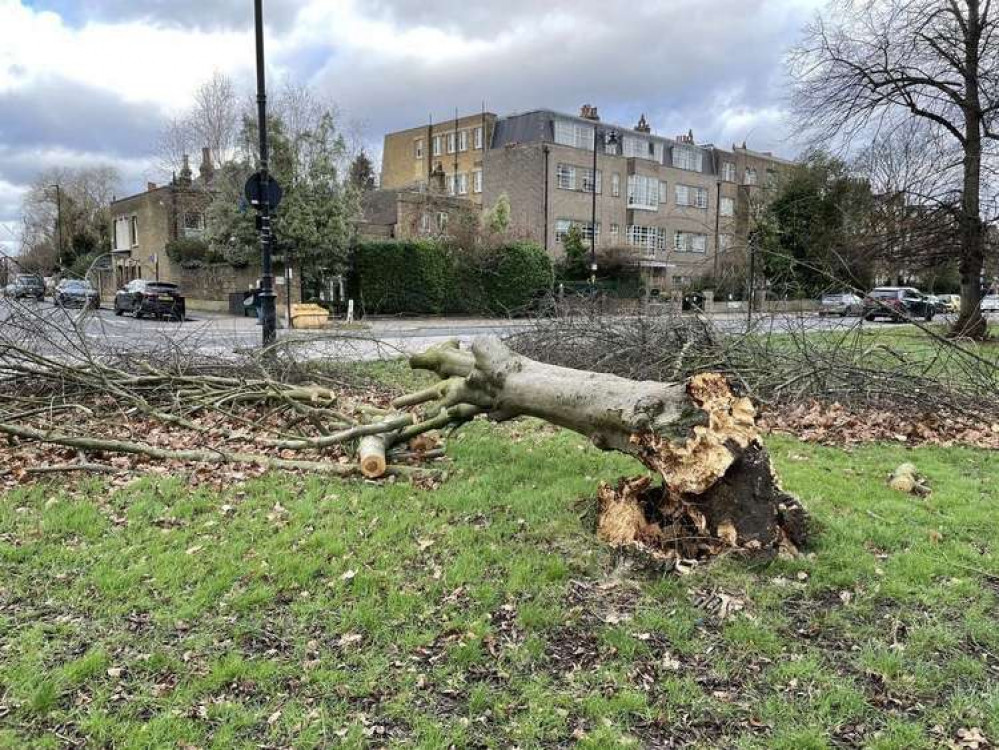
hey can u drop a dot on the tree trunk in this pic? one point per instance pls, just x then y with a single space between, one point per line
970 322
717 487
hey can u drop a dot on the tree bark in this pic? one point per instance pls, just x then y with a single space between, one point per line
718 489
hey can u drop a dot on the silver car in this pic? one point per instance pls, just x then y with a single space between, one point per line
842 304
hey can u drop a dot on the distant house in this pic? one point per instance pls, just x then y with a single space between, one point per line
144 224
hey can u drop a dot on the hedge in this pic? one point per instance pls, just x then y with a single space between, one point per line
425 277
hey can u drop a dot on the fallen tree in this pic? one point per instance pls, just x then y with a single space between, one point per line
718 487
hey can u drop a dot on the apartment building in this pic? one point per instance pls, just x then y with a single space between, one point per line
679 209
445 156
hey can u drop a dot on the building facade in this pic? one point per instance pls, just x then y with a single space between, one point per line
144 224
449 153
680 210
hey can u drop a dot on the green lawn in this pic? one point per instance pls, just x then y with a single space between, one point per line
302 612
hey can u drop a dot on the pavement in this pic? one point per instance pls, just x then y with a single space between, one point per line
374 338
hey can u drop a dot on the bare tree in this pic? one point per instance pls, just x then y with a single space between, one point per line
215 117
869 65
175 140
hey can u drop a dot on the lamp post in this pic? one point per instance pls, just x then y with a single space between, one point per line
58 219
267 312
610 138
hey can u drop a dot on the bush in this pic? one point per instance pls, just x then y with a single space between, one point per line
188 253
423 277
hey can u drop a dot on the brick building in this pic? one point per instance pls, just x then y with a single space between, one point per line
144 224
679 209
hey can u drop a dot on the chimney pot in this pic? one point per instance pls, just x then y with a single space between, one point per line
589 112
150 186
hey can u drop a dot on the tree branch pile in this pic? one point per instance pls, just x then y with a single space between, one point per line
842 384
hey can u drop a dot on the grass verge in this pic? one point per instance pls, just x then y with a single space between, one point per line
294 611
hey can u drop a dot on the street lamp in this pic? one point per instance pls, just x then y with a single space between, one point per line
268 313
610 138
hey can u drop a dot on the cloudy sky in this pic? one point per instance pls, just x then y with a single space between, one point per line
92 81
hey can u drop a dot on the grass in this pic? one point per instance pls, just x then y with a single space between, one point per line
294 611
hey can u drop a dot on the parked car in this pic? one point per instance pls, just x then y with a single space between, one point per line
841 303
26 285
76 293
159 299
990 303
949 303
899 303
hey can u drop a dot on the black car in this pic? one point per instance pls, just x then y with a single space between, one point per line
26 285
899 303
158 299
76 293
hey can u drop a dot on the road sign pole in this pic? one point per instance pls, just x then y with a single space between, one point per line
267 308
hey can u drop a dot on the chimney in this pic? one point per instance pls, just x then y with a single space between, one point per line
185 173
643 125
688 138
207 169
588 112
150 186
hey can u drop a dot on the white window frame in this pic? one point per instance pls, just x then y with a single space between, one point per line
451 142
649 239
574 134
462 183
749 176
133 231
643 192
562 227
690 242
477 139
477 181
438 145
449 184
726 207
688 157
442 221
463 140
728 171
663 192
616 185
565 177
725 243
691 196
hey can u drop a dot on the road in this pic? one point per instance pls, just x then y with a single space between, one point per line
221 335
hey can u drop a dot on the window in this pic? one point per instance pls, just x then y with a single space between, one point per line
728 171
616 185
568 177
688 195
724 243
450 143
418 148
750 176
477 137
449 184
565 177
662 191
123 233
437 145
643 192
442 221
690 242
425 223
771 177
727 207
610 144
688 157
637 148
562 227
647 238
577 135
462 184
681 281
614 231
463 140
194 224
133 232
477 181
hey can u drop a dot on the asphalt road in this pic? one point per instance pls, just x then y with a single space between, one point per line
210 334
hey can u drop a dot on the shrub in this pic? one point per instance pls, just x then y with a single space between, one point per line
188 253
424 277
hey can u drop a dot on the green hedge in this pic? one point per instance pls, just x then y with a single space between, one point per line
424 277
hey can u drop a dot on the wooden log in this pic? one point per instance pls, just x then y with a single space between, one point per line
371 455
